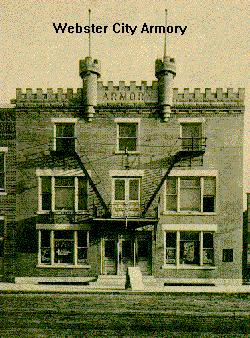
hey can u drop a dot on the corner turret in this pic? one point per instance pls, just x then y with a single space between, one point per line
165 71
89 70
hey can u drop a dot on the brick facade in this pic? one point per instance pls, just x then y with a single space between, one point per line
7 193
125 224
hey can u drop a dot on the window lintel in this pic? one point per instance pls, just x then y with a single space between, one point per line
64 120
190 227
126 173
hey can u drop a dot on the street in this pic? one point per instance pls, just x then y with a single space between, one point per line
124 315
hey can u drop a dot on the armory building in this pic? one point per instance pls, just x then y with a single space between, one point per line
111 177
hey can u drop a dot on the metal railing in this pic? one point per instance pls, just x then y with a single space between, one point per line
193 143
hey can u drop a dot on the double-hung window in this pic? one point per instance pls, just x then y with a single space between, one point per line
127 135
189 248
64 137
190 194
67 193
64 193
63 247
191 136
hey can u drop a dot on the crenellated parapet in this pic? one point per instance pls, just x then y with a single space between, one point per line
127 93
89 65
49 98
164 66
218 96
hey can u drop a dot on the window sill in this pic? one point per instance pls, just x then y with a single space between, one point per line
187 267
3 193
62 212
63 266
122 152
188 213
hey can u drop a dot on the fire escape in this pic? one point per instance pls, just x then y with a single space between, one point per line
190 148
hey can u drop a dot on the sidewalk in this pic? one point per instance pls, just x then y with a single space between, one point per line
34 288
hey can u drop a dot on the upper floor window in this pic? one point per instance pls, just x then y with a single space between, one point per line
127 134
63 193
127 189
191 136
65 137
126 195
191 194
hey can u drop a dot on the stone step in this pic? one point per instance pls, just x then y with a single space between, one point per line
53 280
152 281
109 282
111 277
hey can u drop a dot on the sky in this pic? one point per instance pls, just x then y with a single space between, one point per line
211 53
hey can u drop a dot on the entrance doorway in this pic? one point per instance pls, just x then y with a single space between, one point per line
125 251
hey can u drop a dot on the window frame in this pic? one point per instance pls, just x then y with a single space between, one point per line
3 150
53 192
127 190
202 176
58 121
118 122
53 264
190 120
177 264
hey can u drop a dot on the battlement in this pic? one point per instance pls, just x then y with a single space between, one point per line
89 65
30 97
123 86
129 93
164 66
208 96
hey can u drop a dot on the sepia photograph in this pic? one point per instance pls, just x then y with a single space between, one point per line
124 168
